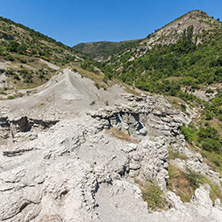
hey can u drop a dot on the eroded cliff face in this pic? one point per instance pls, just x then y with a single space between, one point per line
73 169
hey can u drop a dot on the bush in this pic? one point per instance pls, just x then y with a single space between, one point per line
10 97
9 57
74 70
183 107
209 115
153 195
211 145
97 85
12 46
189 133
22 60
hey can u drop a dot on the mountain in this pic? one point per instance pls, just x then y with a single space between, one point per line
168 34
171 33
182 55
103 50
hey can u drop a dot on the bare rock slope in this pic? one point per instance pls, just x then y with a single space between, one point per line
60 162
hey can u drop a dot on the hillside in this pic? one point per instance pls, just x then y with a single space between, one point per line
29 58
171 33
185 53
100 51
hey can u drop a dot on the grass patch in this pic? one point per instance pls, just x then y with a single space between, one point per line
153 195
97 77
213 159
179 183
121 135
184 184
132 91
175 155
11 97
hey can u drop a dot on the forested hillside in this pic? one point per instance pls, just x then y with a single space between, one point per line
102 50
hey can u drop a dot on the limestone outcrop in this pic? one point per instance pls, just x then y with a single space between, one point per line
74 169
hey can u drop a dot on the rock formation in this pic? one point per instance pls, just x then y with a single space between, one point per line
71 168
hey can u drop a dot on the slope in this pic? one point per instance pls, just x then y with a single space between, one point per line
29 58
100 51
185 53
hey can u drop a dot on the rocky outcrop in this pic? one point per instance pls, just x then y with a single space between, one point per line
75 170
15 128
153 117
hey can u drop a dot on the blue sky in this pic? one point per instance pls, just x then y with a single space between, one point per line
76 21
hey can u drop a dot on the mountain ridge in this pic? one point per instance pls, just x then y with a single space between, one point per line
180 24
102 50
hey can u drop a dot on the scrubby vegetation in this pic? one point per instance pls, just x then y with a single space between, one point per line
153 195
206 137
188 63
104 49
192 61
175 154
185 183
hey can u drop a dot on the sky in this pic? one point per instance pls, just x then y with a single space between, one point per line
76 21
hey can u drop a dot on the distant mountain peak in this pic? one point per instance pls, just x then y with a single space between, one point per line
171 32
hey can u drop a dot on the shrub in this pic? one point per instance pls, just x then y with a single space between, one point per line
211 145
209 115
183 107
209 91
22 60
74 70
93 103
97 85
10 97
189 133
9 57
16 77
153 195
106 103
12 46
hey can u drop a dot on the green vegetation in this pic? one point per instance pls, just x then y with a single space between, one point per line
175 154
185 183
209 140
10 97
26 48
205 137
153 195
104 49
166 69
